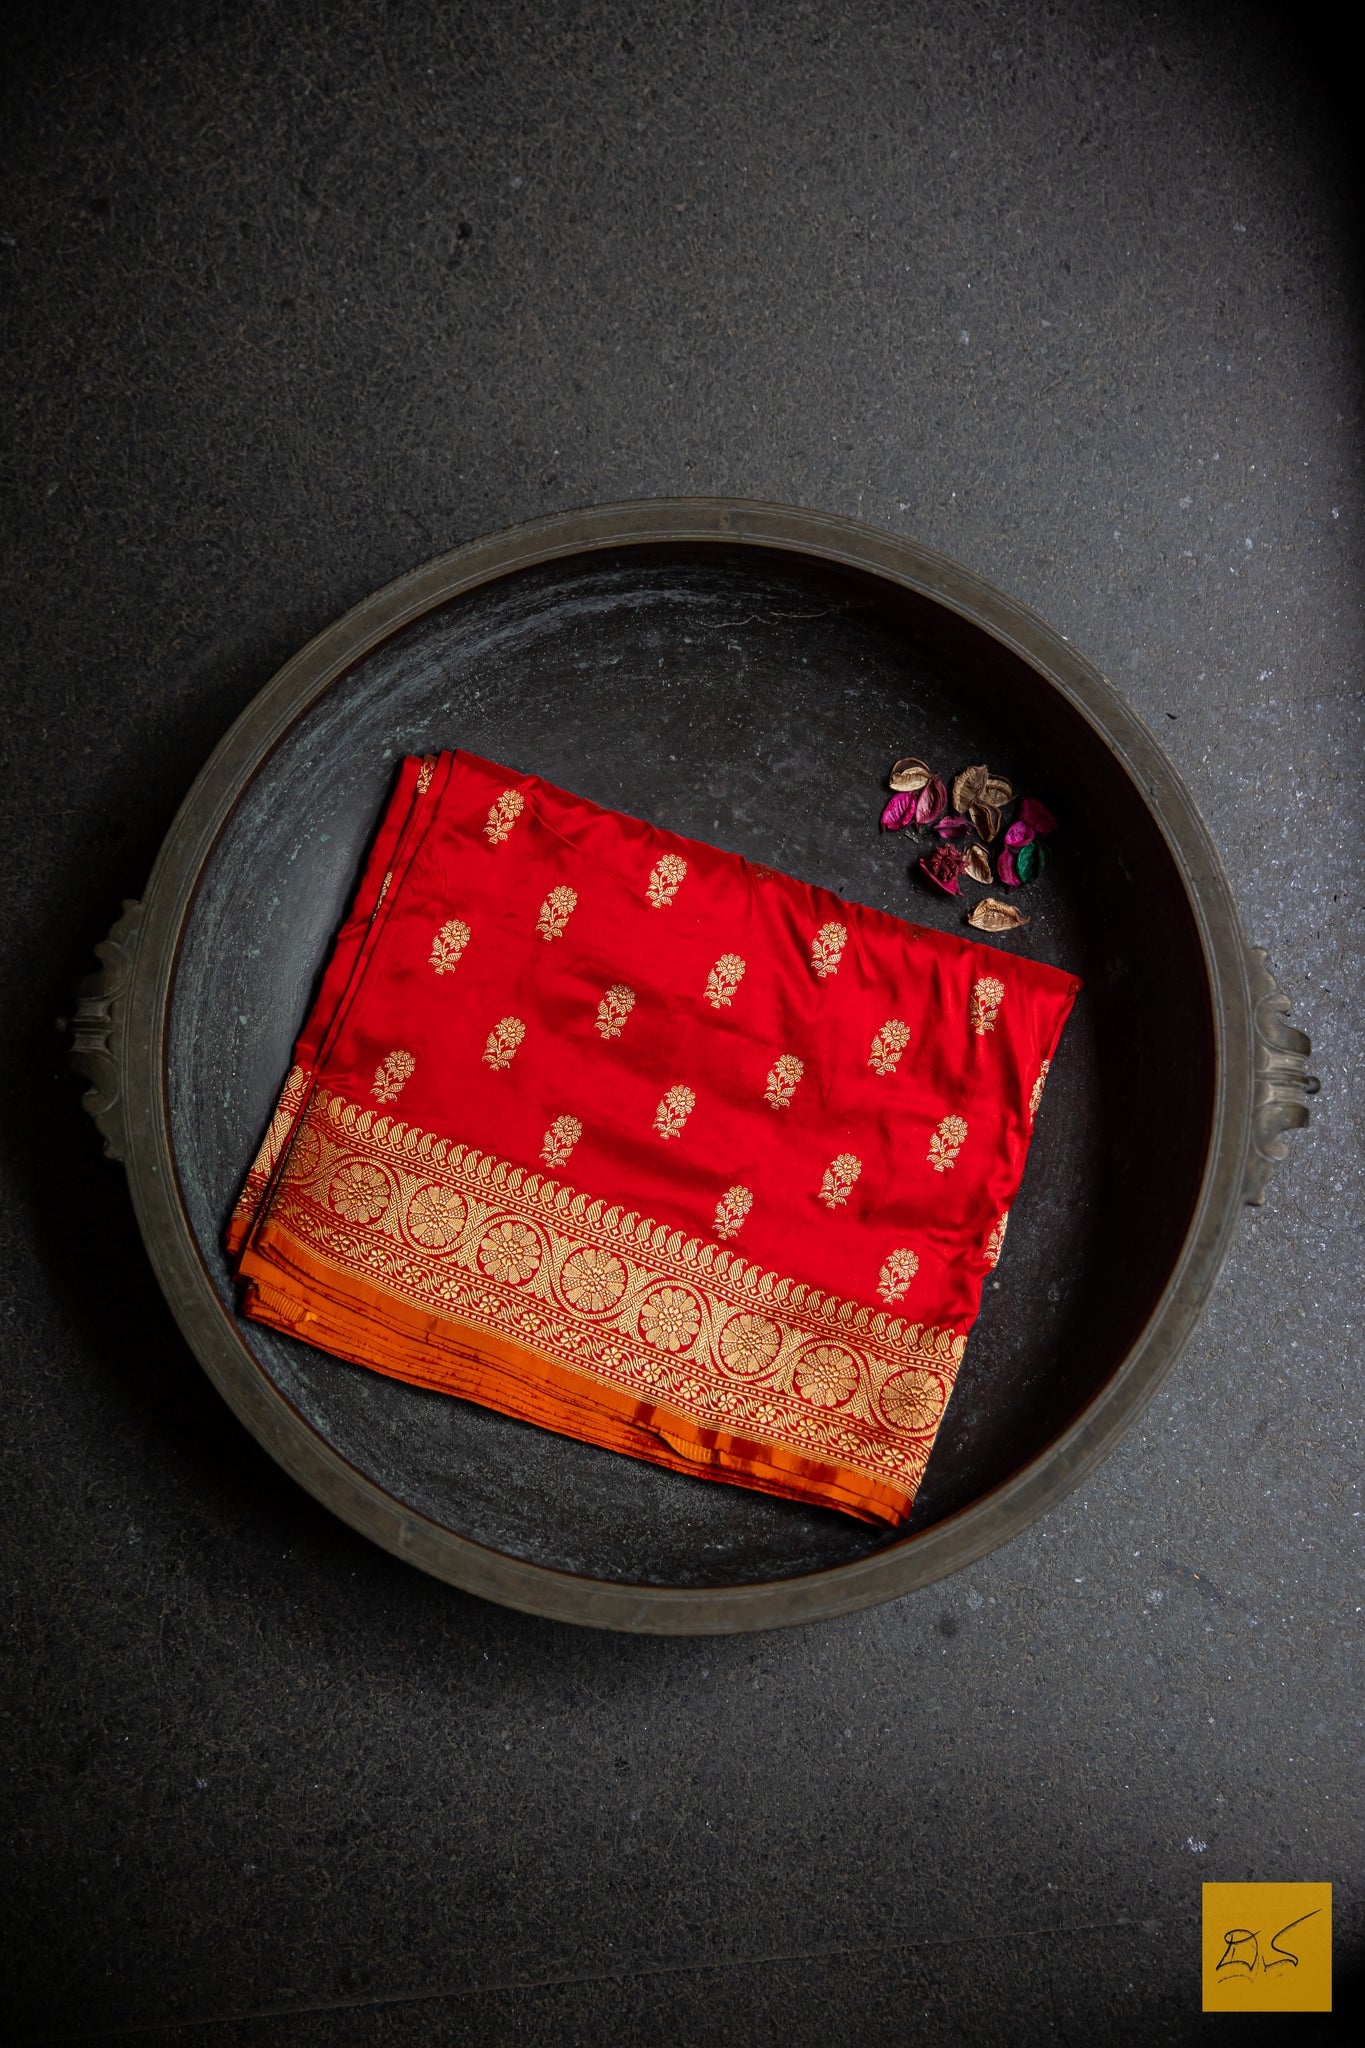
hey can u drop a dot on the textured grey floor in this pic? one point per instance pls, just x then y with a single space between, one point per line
295 296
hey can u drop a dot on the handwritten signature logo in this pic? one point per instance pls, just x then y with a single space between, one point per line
1243 1949
1267 1947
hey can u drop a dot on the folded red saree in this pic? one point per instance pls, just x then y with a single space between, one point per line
635 1139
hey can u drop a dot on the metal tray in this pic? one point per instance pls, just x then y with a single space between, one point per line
743 673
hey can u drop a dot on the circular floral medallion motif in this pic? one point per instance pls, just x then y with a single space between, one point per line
913 1400
510 1252
359 1191
827 1375
593 1279
305 1155
436 1216
670 1319
749 1344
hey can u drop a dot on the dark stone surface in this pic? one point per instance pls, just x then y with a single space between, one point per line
294 299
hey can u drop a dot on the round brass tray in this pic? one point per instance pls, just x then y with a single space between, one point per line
743 673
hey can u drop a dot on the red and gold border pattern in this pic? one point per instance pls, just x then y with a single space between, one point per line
267 1157
670 1319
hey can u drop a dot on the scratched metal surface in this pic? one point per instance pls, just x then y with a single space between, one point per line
757 704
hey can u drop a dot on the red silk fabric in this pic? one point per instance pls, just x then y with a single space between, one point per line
635 1139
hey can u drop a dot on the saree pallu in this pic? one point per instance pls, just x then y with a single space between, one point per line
640 1141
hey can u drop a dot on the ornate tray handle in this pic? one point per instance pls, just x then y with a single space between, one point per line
1283 1082
97 1029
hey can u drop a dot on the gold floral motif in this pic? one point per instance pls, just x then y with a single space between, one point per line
305 1152
503 815
888 1045
555 911
448 944
1037 1094
987 996
384 888
390 1076
359 1192
838 1180
724 978
783 1076
511 1252
827 1375
666 879
995 1243
731 1210
502 1042
614 1008
946 1143
827 948
675 1107
606 1294
898 1270
272 1144
914 1400
670 1319
749 1344
436 1216
425 773
593 1280
559 1141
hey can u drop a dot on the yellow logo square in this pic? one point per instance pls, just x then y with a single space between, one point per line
1267 1948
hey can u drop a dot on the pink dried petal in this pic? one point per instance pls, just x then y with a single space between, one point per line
1031 812
931 802
899 811
1005 869
950 827
942 868
1020 833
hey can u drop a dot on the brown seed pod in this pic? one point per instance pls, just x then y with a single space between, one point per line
989 915
910 774
977 866
967 786
997 791
985 818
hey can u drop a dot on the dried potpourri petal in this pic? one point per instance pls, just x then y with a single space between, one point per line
949 827
899 811
997 790
1029 860
976 865
942 867
1005 868
990 915
910 773
1031 812
986 819
931 802
1019 833
967 786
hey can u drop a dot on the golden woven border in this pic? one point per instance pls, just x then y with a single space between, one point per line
694 1327
267 1158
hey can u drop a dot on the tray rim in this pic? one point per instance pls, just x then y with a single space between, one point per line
216 1339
